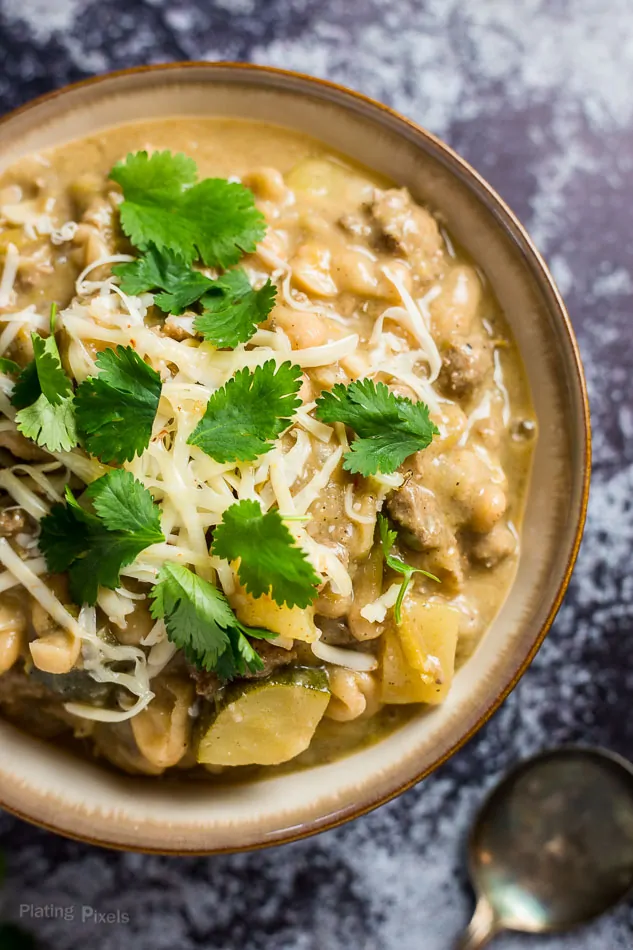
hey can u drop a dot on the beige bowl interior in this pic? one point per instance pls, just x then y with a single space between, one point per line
78 798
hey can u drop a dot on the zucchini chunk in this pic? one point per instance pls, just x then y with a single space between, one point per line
265 722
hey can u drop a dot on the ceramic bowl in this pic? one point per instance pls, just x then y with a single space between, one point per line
45 785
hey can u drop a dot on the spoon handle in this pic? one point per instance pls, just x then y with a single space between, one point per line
481 929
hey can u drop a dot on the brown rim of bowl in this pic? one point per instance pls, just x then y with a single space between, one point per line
551 292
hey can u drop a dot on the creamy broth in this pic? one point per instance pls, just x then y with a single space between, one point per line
350 254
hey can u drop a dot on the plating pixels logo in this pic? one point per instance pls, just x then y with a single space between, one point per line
83 913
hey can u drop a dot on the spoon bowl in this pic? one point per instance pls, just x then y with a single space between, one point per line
552 846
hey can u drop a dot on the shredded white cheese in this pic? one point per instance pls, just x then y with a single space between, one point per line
36 565
304 498
418 325
40 475
377 610
23 495
100 262
115 607
350 659
9 273
96 651
353 508
327 353
326 563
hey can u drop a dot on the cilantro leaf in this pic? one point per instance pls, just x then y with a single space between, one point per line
51 426
226 222
244 416
166 271
159 177
387 541
389 427
214 219
54 383
270 560
195 612
242 656
116 409
65 533
200 622
43 394
93 547
9 366
27 389
123 504
232 309
43 375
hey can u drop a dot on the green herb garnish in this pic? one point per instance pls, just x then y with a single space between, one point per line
165 206
200 622
232 309
251 410
270 560
116 410
174 283
43 394
52 427
389 427
387 541
94 545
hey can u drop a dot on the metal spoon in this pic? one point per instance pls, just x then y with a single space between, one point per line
552 846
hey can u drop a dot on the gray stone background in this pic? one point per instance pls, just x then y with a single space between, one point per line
538 96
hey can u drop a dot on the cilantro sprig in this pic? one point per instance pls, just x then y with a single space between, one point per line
232 309
94 545
165 206
116 410
387 541
200 622
389 427
270 560
173 281
51 427
43 394
43 376
251 410
174 221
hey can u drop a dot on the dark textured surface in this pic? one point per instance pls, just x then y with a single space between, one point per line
536 95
